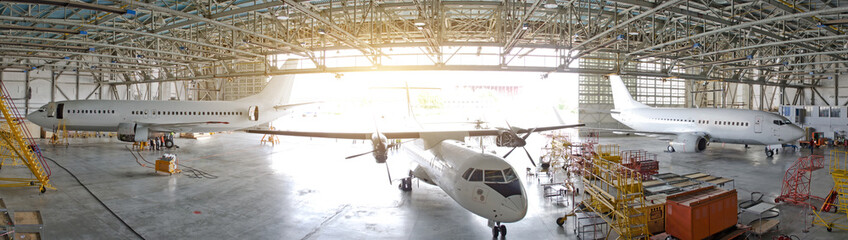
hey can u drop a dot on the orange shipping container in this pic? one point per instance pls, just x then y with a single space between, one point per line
699 213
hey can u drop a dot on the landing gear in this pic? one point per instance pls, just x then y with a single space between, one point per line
769 152
169 143
670 149
498 228
406 183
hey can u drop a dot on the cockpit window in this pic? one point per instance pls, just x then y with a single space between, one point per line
476 176
494 176
782 122
509 174
467 173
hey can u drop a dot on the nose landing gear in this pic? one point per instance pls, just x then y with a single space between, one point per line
498 228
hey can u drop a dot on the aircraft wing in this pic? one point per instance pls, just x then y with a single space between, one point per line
631 131
405 135
287 106
178 127
492 132
342 135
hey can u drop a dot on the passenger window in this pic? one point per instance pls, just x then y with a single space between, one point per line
476 176
494 176
467 173
509 174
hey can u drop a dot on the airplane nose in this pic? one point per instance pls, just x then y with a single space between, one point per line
797 133
518 205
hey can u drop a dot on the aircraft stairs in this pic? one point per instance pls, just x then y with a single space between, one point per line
16 141
797 179
838 196
615 193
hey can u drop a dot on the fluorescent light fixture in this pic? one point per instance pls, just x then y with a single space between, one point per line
283 17
551 4
321 31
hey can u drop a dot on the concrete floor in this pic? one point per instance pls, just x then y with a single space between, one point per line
304 189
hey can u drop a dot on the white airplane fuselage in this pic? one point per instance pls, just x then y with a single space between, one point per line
721 125
106 115
497 195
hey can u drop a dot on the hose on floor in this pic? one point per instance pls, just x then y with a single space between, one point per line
95 197
190 172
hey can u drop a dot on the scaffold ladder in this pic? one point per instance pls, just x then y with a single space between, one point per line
17 141
839 172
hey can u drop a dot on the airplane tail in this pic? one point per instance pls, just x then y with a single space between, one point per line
620 96
279 88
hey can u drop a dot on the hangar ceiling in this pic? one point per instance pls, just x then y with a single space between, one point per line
768 42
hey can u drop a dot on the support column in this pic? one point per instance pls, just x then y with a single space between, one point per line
27 92
52 86
750 96
77 84
835 90
762 96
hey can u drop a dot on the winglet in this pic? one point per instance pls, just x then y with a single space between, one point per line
621 97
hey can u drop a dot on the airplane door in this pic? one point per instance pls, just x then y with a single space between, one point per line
758 124
253 113
51 109
59 110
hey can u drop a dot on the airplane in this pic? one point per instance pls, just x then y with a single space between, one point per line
694 128
137 121
479 181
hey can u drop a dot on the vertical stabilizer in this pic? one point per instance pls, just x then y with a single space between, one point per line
279 88
620 96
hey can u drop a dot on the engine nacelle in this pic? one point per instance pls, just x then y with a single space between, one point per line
689 143
505 139
131 132
421 174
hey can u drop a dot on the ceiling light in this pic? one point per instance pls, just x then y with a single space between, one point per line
551 4
525 26
283 17
321 31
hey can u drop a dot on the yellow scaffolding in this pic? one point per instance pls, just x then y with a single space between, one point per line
839 172
615 193
60 134
12 132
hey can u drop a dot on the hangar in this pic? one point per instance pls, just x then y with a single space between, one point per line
218 119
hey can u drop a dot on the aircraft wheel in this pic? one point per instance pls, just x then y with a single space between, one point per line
495 231
560 221
670 148
169 143
503 230
769 153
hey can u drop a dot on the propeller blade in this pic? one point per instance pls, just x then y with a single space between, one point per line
510 151
358 155
528 133
528 156
388 173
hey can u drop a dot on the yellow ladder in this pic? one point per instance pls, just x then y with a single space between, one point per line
839 172
615 193
60 135
12 132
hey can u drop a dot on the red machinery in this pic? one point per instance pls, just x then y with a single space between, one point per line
641 161
796 181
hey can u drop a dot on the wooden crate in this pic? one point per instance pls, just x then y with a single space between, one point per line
27 218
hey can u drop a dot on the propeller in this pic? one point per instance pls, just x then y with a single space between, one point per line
520 142
390 146
358 155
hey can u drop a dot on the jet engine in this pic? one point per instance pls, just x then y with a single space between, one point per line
131 132
689 143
